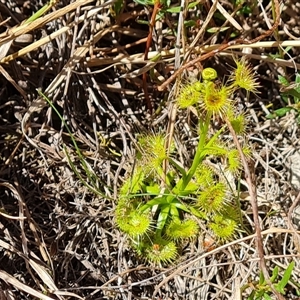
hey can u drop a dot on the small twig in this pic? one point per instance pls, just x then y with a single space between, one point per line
253 199
252 193
156 9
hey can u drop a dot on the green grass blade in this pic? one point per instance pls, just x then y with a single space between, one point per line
90 176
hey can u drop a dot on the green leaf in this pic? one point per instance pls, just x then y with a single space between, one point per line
40 12
161 200
285 98
285 279
283 111
178 167
245 10
297 80
261 278
174 211
163 216
176 9
287 49
181 206
279 289
189 23
259 294
144 2
166 3
118 6
274 56
193 4
160 14
251 296
267 297
142 22
234 34
279 112
184 193
153 190
294 93
198 213
215 136
274 274
283 80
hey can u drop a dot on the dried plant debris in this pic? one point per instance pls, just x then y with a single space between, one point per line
81 84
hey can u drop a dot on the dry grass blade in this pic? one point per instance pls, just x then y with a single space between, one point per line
21 286
204 26
227 16
19 30
168 55
11 217
5 48
40 271
8 78
39 268
149 65
21 213
38 104
46 39
265 58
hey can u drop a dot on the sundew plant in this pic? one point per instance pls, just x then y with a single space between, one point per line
159 209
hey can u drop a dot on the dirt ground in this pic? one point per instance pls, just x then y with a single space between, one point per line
58 237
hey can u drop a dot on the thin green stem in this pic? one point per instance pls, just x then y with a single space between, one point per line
276 31
41 11
91 177
204 126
